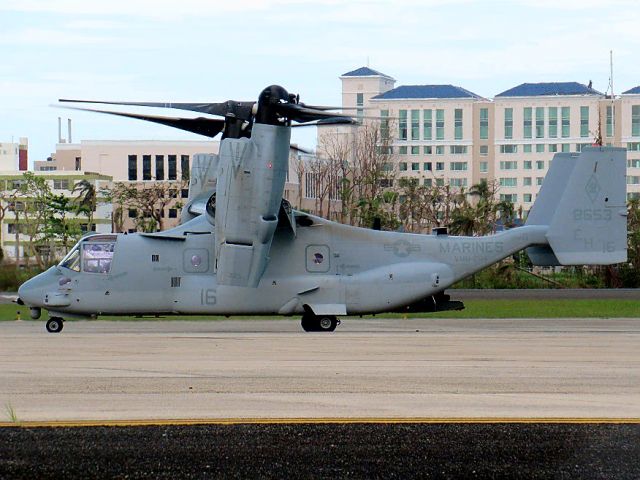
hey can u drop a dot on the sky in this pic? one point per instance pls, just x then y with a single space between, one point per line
209 50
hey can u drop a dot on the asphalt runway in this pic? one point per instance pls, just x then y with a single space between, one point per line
584 451
424 368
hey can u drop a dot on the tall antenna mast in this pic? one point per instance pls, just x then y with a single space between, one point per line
613 98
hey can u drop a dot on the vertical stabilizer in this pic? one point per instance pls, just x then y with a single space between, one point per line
589 224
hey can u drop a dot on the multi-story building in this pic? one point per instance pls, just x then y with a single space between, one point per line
444 134
14 156
142 162
14 238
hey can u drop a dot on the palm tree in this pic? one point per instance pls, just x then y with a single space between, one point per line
86 200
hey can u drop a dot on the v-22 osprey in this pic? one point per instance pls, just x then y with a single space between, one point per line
242 250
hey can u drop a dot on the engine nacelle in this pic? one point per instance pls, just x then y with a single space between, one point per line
251 177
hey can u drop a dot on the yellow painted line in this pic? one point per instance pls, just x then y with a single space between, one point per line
318 421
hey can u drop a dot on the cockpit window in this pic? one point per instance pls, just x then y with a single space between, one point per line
97 256
72 260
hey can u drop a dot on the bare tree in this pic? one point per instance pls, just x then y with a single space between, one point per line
148 200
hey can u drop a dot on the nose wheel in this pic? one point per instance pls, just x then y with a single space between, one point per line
54 325
319 323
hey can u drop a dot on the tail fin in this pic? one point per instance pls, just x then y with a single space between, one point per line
583 200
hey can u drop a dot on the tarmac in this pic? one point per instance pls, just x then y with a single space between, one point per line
382 398
433 369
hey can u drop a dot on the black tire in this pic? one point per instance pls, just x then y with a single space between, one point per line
308 323
54 325
326 323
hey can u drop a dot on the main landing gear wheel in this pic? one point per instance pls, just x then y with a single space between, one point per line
319 323
54 325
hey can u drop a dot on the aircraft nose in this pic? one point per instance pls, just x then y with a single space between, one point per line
27 292
33 290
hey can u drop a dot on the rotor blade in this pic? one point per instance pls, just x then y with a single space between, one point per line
325 107
240 109
328 122
208 127
302 114
295 148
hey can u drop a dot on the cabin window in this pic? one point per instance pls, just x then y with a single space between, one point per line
72 260
97 254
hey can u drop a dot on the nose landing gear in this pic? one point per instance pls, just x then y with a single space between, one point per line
54 325
319 323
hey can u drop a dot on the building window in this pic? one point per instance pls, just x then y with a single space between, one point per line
566 121
146 167
439 166
402 125
78 163
173 213
508 148
553 148
584 121
484 123
61 184
428 150
159 167
635 120
509 197
415 124
610 120
440 150
458 166
633 163
553 122
172 164
484 167
133 213
427 166
428 182
311 185
427 129
527 120
540 148
402 150
184 193
184 167
509 182
458 149
439 124
508 123
415 150
526 182
539 180
633 180
580 146
527 164
527 197
415 166
510 165
403 166
360 106
540 164
526 148
484 150
458 182
539 122
633 146
384 124
566 147
440 182
133 167
457 124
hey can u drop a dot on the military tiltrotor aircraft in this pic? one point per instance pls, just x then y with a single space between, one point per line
241 250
